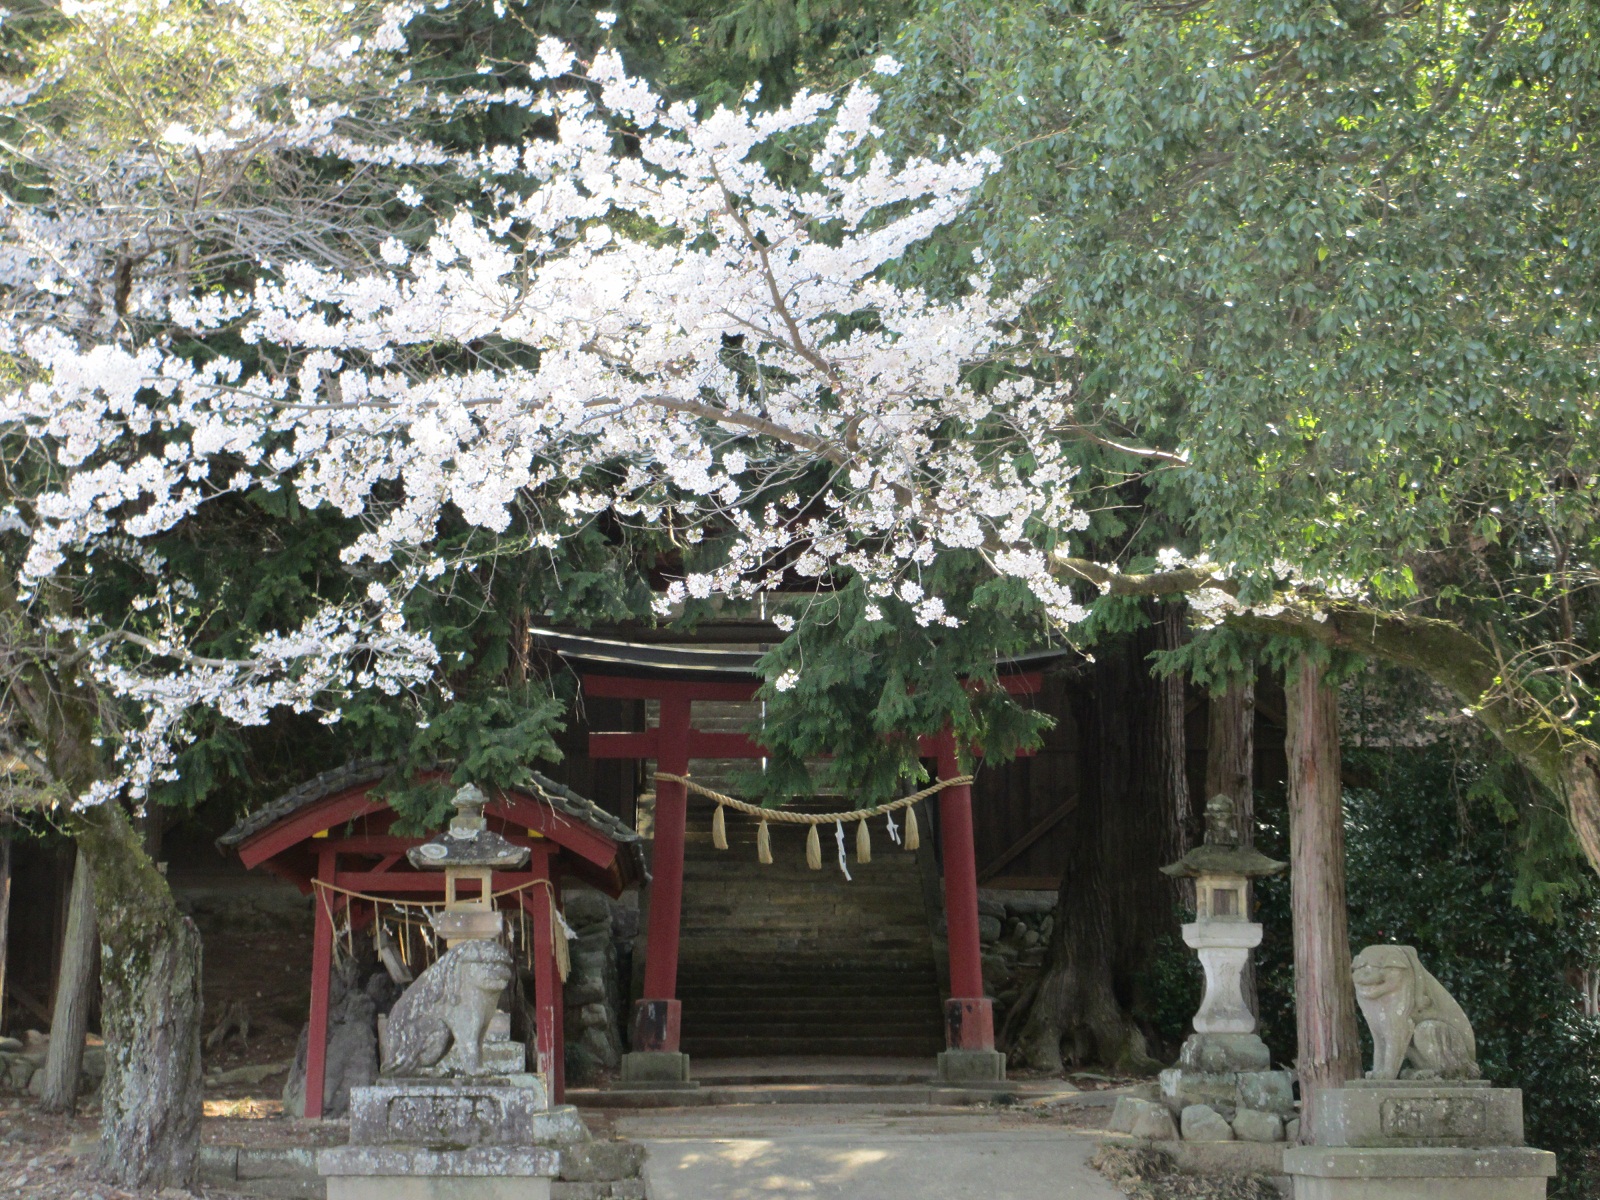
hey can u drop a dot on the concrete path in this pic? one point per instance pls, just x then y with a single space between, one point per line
854 1152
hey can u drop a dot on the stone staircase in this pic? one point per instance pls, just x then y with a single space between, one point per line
781 960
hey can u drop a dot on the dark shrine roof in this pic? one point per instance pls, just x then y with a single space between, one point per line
370 770
285 836
653 660
318 787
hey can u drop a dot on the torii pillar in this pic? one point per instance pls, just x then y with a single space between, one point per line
969 1056
656 1059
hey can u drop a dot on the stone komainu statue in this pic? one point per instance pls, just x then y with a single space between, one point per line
1412 1018
437 1027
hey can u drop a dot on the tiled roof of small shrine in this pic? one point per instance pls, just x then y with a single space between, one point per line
370 770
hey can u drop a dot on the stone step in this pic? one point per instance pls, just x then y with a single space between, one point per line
753 1046
822 1026
782 960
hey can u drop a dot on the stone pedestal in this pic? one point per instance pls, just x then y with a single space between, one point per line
403 1173
1413 1140
656 1069
427 1139
966 1067
1228 1072
1224 948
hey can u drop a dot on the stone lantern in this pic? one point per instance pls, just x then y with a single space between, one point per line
468 852
1224 1063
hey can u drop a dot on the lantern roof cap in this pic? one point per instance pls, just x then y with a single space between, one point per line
1221 853
468 842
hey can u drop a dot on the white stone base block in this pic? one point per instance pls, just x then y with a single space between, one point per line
438 1188
407 1173
1423 1173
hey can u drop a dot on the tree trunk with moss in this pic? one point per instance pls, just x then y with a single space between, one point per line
74 996
150 1011
150 952
1325 1009
1114 902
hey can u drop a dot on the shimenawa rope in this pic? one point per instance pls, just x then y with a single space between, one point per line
912 838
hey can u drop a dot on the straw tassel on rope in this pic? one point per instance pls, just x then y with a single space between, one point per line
763 843
813 849
719 830
912 841
863 842
560 931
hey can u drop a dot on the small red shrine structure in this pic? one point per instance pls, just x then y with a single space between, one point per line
676 677
332 836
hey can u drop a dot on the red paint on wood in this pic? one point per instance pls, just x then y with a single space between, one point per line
657 1025
338 809
558 1079
701 744
1024 683
960 882
623 745
666 890
522 812
546 980
969 1024
630 687
321 982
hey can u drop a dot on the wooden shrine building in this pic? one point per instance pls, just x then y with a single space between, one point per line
333 838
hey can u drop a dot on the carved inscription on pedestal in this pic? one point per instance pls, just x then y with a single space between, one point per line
1433 1117
429 1117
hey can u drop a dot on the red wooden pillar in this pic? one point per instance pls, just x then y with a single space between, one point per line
559 1080
968 1014
546 979
321 984
657 1017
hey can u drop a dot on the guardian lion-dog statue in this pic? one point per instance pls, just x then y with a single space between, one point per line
437 1027
1412 1018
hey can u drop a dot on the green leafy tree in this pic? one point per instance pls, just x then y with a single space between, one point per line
1330 271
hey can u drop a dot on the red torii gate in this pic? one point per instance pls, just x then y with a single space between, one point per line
331 833
678 678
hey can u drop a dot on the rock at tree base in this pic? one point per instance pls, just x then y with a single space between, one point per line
1128 1111
1154 1123
1252 1125
1202 1123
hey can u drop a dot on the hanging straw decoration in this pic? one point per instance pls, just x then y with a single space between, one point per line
912 839
560 931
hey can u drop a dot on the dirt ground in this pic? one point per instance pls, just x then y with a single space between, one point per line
50 1157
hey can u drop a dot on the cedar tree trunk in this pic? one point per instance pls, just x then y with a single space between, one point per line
1114 902
74 996
1325 1008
